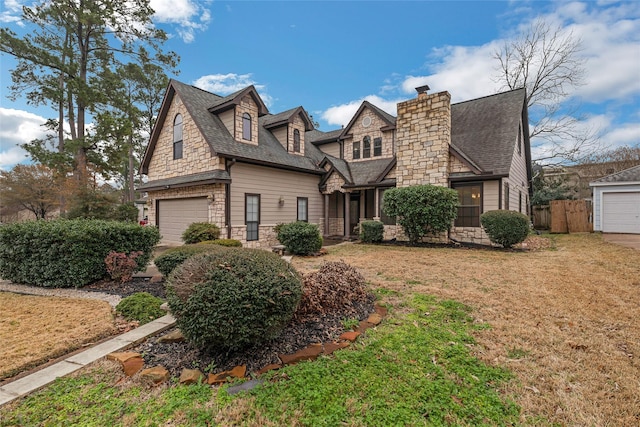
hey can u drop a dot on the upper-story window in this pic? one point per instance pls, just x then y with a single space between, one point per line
246 126
356 150
177 137
366 147
377 147
296 141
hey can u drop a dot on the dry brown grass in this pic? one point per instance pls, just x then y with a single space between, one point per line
565 321
35 329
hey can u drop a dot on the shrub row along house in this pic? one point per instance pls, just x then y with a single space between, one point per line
229 161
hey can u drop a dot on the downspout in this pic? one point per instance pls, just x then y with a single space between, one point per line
227 197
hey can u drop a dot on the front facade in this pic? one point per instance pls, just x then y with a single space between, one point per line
616 202
228 161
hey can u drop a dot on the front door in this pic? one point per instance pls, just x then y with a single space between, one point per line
354 211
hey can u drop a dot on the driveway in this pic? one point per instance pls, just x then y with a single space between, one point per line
628 240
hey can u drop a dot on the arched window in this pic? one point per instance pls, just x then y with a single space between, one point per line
246 126
177 137
296 141
366 147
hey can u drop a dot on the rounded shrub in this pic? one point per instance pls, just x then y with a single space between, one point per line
505 228
230 243
233 299
171 258
300 238
141 306
200 231
371 231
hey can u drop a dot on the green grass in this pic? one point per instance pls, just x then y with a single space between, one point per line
413 369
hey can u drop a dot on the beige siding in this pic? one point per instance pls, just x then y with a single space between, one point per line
196 154
332 149
271 184
227 118
281 135
491 196
518 180
373 131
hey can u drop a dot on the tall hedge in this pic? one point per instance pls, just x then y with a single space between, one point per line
69 253
422 209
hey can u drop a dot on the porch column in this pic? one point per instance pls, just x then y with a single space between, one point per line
363 206
376 204
347 214
326 214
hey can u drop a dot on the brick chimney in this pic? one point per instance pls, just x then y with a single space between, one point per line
423 132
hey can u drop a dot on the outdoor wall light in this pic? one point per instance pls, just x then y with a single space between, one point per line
281 201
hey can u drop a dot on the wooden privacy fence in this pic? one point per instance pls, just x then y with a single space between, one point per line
541 217
571 216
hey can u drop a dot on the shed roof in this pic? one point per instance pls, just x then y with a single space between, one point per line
627 176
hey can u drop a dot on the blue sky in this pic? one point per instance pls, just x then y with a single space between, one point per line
330 56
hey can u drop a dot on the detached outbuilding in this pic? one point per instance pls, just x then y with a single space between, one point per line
616 202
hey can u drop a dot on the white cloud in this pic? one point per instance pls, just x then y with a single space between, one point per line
189 16
340 115
225 84
18 127
12 12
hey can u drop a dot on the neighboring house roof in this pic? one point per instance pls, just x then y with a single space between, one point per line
268 152
485 130
627 176
210 177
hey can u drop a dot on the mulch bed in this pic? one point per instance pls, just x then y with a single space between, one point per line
177 356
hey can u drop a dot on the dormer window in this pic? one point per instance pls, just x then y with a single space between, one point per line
296 141
246 126
177 137
366 147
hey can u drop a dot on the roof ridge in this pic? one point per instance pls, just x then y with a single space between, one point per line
489 96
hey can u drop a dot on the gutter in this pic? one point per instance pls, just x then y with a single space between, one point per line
227 197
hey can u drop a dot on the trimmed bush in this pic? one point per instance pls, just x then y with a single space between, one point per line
200 232
336 287
300 238
230 243
141 306
371 231
171 258
233 299
67 253
121 266
506 228
421 209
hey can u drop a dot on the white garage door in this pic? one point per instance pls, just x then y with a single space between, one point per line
175 215
621 212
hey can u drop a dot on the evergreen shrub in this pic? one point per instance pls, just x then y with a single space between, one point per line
505 228
200 232
234 298
371 231
69 253
230 243
300 238
171 258
141 306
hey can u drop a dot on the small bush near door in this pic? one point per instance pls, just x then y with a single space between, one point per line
506 228
371 231
300 238
200 232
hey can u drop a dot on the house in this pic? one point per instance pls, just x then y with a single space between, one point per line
616 202
229 161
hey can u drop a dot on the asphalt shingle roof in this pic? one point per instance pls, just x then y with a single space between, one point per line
627 175
209 176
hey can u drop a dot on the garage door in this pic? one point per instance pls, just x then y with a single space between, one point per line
621 212
175 215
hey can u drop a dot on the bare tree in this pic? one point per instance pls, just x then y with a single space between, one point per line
546 61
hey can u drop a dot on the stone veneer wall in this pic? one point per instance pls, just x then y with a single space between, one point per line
358 132
334 183
196 153
214 192
297 124
247 105
423 130
474 235
456 165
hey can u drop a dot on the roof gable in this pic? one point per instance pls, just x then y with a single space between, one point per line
230 101
272 121
386 118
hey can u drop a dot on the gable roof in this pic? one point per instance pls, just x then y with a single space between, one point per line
235 98
386 117
268 152
275 120
318 137
627 176
485 130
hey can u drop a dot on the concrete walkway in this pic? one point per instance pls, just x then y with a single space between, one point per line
627 240
43 377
